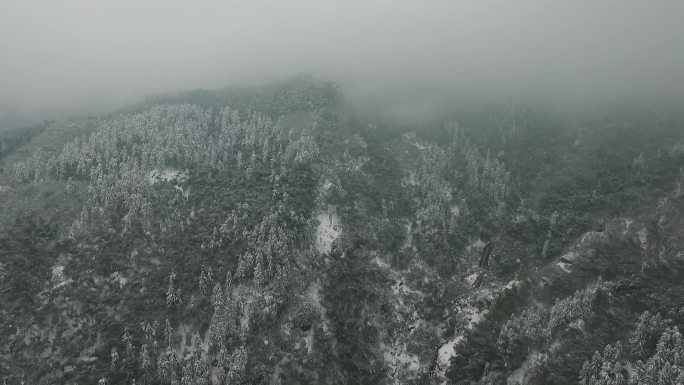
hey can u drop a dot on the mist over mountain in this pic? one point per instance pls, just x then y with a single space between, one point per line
335 193
74 56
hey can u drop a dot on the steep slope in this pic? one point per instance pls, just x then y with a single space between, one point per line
267 236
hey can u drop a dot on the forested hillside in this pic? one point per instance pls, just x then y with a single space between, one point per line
269 235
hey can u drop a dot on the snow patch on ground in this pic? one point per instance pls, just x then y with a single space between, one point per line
445 353
643 238
58 277
167 175
472 278
417 323
477 245
455 210
520 374
184 333
591 236
246 309
512 284
409 180
472 316
313 292
569 257
399 360
58 273
402 365
398 287
408 240
627 223
327 232
175 177
117 277
308 340
564 266
382 264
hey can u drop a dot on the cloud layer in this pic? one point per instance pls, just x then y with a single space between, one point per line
75 55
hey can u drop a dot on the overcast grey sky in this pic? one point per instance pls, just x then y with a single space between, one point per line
77 54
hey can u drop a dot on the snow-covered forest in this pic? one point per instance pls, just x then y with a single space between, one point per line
342 193
186 241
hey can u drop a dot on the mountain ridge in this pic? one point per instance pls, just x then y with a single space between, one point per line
269 235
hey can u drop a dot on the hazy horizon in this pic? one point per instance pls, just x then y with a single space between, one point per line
79 56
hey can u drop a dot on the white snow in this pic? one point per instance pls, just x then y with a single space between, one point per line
246 309
447 351
416 323
308 340
58 273
313 292
58 277
184 330
473 316
512 284
382 264
554 346
408 240
570 256
399 286
564 266
455 210
643 238
117 277
472 278
402 364
167 175
327 232
477 245
520 374
409 180
398 358
590 237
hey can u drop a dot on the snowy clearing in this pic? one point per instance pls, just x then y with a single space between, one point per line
327 232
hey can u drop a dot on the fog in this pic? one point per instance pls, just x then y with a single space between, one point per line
86 56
